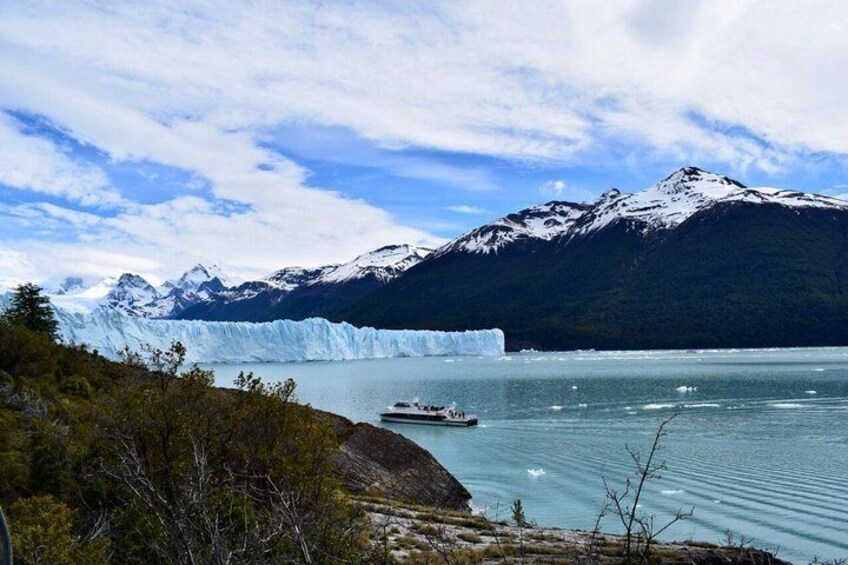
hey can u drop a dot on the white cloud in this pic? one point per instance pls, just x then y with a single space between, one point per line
194 88
554 188
32 163
466 77
466 209
14 268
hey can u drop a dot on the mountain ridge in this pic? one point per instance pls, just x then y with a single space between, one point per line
573 275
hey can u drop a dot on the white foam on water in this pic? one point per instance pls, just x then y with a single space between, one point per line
685 388
717 501
449 360
477 510
809 392
582 405
818 370
786 405
704 405
555 407
573 387
671 492
657 406
535 473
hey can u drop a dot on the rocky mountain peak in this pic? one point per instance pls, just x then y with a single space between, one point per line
698 180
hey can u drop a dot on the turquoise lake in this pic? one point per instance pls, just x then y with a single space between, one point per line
760 445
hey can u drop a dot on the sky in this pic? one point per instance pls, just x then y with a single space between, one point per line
150 136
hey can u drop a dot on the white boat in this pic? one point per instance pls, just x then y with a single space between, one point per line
416 413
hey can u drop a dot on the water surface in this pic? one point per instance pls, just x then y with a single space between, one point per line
760 446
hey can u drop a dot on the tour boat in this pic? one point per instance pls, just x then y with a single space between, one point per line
416 413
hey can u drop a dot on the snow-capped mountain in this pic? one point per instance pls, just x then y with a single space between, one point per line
199 281
134 295
542 222
297 293
695 260
290 278
69 285
131 294
383 264
662 206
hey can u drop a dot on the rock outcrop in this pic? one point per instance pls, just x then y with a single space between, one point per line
376 461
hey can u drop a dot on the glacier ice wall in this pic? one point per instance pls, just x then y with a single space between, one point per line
109 331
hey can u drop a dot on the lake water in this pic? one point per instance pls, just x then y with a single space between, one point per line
760 446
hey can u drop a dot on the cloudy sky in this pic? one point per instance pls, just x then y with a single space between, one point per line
140 137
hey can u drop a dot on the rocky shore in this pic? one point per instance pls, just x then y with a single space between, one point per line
378 462
420 513
415 534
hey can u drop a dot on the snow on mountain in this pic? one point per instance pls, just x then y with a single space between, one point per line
134 295
109 331
687 191
291 278
385 264
544 221
70 285
130 294
196 279
664 205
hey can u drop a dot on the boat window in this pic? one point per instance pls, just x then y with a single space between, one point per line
401 405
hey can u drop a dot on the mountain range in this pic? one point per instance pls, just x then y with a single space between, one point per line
696 260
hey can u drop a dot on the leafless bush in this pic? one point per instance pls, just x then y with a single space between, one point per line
640 529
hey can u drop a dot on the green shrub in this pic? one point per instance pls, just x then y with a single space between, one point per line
41 533
76 386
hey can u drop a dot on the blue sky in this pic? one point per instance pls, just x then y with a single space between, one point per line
145 138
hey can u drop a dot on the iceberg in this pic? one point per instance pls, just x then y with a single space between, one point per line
109 331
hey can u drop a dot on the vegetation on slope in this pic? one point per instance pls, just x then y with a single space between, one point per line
112 462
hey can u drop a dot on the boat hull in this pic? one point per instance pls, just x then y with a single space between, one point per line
448 423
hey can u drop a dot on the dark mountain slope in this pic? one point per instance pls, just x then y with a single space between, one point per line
322 300
733 275
523 287
737 275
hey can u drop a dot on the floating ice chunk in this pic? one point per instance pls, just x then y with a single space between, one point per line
478 510
573 387
809 392
685 388
556 407
818 370
535 473
449 360
657 406
582 405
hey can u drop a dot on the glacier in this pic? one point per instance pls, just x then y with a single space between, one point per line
109 331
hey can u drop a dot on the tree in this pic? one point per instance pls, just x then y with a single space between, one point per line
221 477
520 521
32 309
640 530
